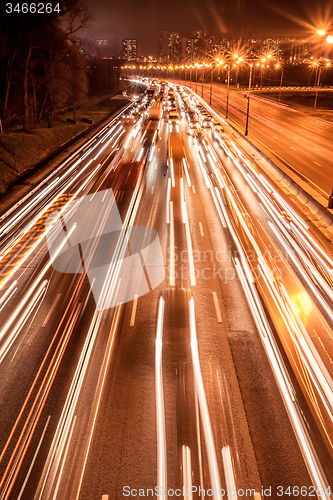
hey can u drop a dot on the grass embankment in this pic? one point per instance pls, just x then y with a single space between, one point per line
22 152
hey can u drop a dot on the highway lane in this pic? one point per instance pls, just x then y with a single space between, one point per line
116 472
25 339
242 219
110 432
297 142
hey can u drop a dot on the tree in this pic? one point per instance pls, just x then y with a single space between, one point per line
78 77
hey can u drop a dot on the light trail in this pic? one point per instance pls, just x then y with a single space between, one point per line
160 417
207 428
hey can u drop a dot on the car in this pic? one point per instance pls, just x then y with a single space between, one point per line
194 124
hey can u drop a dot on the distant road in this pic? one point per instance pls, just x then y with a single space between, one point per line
297 143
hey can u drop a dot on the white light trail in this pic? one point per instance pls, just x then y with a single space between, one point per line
207 428
160 417
172 247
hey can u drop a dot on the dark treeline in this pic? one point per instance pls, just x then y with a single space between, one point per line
43 68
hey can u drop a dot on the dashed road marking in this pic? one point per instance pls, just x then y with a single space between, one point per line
201 229
135 303
217 308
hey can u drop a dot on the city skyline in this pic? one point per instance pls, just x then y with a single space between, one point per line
243 19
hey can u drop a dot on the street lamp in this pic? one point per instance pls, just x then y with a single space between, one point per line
322 32
277 66
211 79
227 104
248 102
202 79
318 81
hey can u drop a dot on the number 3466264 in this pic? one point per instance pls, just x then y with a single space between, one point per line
32 8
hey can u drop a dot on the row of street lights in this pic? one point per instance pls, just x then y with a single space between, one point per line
234 61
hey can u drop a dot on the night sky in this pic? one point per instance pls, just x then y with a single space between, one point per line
143 19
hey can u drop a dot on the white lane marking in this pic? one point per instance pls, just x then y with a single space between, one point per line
193 188
317 163
152 189
200 390
217 308
135 303
160 418
292 148
201 229
257 496
34 458
51 310
187 471
105 497
172 247
229 472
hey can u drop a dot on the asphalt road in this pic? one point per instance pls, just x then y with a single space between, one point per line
296 142
174 387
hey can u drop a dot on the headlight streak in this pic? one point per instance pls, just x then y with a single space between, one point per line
168 201
186 173
259 316
172 172
283 381
32 203
206 424
8 342
321 300
188 235
229 473
7 294
6 227
284 226
12 318
172 247
279 370
160 417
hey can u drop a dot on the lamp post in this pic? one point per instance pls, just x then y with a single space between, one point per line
248 102
278 65
227 105
196 79
202 79
191 76
317 88
211 86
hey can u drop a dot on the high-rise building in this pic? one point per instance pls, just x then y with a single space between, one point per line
130 49
101 42
169 46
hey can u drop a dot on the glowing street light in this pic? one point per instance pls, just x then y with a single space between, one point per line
329 39
321 32
277 67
